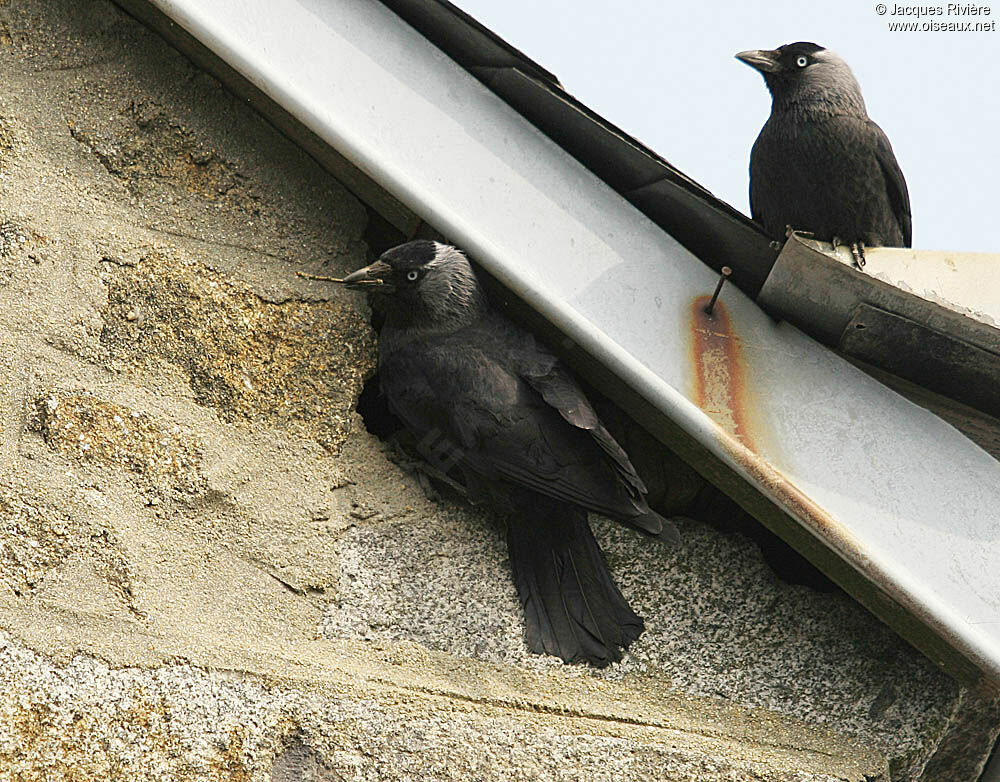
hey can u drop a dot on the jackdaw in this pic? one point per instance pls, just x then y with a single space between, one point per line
479 394
820 165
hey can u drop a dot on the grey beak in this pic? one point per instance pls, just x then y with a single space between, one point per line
763 60
368 276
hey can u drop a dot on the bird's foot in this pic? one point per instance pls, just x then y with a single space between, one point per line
426 475
858 252
442 477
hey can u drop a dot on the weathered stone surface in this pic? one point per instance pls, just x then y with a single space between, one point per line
37 539
85 720
210 570
718 623
90 430
297 364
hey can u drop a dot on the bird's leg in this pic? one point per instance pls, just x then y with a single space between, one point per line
425 473
836 241
425 483
858 251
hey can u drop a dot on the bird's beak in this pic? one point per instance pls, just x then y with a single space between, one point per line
763 60
369 276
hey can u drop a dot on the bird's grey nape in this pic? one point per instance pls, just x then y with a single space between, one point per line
827 86
451 291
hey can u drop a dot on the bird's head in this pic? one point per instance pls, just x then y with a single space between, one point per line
423 281
806 74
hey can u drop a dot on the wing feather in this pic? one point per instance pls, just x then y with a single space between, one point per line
899 195
534 428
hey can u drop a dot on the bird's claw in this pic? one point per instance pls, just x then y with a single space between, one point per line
430 474
425 483
426 474
789 232
858 253
857 250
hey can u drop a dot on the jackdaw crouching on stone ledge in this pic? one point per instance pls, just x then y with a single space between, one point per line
479 394
820 165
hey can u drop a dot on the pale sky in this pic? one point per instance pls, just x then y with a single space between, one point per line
665 73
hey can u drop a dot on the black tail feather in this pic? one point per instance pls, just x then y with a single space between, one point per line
572 607
652 523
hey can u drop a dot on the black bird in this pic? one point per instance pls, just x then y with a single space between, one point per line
820 164
479 394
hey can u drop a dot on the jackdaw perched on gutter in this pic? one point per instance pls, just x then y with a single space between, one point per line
820 165
479 394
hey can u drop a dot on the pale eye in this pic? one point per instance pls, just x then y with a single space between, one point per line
801 61
411 276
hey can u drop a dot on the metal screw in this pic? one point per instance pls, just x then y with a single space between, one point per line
726 273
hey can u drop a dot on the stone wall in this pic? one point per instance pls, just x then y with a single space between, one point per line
209 569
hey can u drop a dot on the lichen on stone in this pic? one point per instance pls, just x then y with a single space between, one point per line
149 148
36 539
298 364
92 430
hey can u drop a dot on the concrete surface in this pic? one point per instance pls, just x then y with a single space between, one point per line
209 569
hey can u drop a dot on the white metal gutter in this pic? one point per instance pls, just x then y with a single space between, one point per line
903 498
